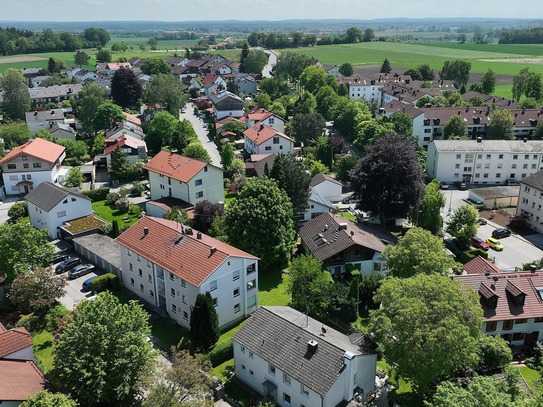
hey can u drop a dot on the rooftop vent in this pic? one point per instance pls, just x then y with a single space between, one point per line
312 346
199 235
213 250
343 226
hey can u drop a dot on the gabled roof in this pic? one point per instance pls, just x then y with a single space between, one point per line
506 286
132 118
480 265
118 65
61 126
260 133
44 115
39 148
182 254
488 146
320 178
175 166
259 162
13 340
258 114
225 100
124 140
210 79
280 336
324 238
47 195
534 180
19 380
314 197
125 126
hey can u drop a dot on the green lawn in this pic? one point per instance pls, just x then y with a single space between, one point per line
167 333
110 213
404 394
273 288
42 343
223 369
347 215
531 376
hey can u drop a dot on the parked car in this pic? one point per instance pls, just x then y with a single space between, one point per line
87 284
461 185
495 244
498 233
67 264
58 257
443 185
450 243
80 270
482 221
479 243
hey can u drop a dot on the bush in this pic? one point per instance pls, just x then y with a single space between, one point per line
18 211
135 210
98 194
54 316
113 197
137 188
221 353
494 352
108 281
122 205
469 255
106 228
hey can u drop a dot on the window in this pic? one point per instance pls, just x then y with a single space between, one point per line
250 268
212 285
271 369
148 263
24 158
242 367
151 293
485 175
36 165
515 156
518 336
525 166
458 156
487 166
142 288
174 308
488 156
457 166
26 165
128 252
215 302
61 214
205 168
526 156
276 140
185 315
140 272
500 165
13 177
251 284
507 325
538 320
183 283
478 166
491 326
251 373
498 175
456 175
251 301
286 398
479 156
138 258
12 166
149 278
132 282
477 175
172 292
198 182
534 166
130 267
268 148
172 277
305 390
467 169
237 308
243 349
377 266
535 157
286 378
235 275
520 321
500 156
200 194
513 166
236 292
251 355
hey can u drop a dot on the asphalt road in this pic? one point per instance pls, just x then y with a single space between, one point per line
201 130
74 295
272 60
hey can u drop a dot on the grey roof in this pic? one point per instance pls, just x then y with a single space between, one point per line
47 195
502 191
534 180
44 115
280 335
225 100
102 246
489 146
320 177
320 200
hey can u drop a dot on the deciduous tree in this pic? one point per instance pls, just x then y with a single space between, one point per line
16 95
74 178
313 78
456 71
346 69
205 213
488 82
198 152
165 90
291 64
501 125
103 55
255 62
463 224
81 58
155 66
429 214
456 128
102 350
161 130
428 326
107 116
36 290
204 322
126 89
307 127
227 155
14 134
46 399
91 98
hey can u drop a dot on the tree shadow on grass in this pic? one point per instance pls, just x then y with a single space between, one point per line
269 279
44 345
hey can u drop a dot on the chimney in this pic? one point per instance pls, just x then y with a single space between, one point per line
533 268
343 226
188 231
312 346
479 140
213 250
487 273
199 235
524 140
35 113
145 231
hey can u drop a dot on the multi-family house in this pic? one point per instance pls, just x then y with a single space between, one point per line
27 166
530 200
483 161
257 115
263 139
168 265
134 148
177 176
295 360
54 94
225 103
44 120
50 206
338 242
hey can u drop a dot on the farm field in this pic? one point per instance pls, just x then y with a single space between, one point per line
161 44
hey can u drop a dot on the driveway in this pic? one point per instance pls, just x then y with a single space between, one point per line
74 295
272 60
201 130
4 208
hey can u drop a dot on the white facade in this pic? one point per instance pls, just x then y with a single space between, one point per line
486 162
517 330
329 190
34 178
233 285
73 207
316 206
221 114
370 92
530 202
276 144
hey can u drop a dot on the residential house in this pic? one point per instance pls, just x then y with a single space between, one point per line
134 148
257 115
27 166
63 131
337 242
512 304
226 104
184 178
125 128
168 265
295 360
483 161
530 200
20 378
43 120
263 139
316 206
260 164
330 69
407 91
84 75
212 83
480 265
109 68
182 72
54 94
38 80
246 84
50 206
365 88
327 187
177 61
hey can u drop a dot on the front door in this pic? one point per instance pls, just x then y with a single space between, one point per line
531 339
27 190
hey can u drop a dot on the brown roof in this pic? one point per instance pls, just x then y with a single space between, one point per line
259 162
479 265
39 148
184 255
324 239
132 118
19 380
261 133
175 166
124 140
505 286
320 178
14 340
258 114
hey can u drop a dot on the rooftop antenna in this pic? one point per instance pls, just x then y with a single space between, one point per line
306 318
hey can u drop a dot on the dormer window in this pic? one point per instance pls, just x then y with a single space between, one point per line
488 296
516 295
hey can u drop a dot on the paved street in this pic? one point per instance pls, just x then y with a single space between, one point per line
272 60
4 208
201 130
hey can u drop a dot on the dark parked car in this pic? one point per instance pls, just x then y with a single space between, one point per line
482 221
443 185
67 264
80 270
58 257
87 284
498 233
450 243
461 185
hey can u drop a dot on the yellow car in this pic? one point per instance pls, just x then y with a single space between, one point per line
495 244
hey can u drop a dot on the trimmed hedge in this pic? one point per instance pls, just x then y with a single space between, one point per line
469 255
108 281
221 353
98 194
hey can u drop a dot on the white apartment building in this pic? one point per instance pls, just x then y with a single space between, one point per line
483 161
364 88
530 200
168 265
262 139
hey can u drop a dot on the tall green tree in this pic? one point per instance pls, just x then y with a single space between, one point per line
456 128
205 213
198 152
527 84
90 98
307 127
155 66
227 154
101 351
426 72
81 58
291 64
161 130
501 125
107 116
260 222
323 151
376 180
204 322
313 78
36 290
368 35
343 164
46 399
418 251
74 178
14 134
463 224
427 326
326 97
255 62
103 55
16 95
126 89
346 69
429 213
386 67
165 90
456 71
488 82
55 65
292 178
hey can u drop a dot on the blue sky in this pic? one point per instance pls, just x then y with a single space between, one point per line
197 10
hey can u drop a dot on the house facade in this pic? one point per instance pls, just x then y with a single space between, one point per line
27 166
168 265
226 104
316 206
262 139
295 360
177 176
338 242
134 148
258 115
530 200
50 206
483 161
327 187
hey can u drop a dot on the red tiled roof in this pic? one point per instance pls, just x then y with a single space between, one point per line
261 133
515 283
184 255
479 265
14 340
39 148
124 140
132 118
175 166
19 380
210 78
258 114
